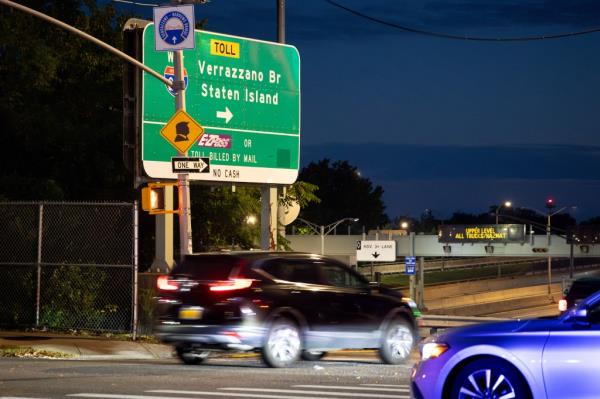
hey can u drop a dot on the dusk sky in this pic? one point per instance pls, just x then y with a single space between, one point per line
438 123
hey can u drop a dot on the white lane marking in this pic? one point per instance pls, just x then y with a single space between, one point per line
203 393
386 385
324 393
17 397
398 388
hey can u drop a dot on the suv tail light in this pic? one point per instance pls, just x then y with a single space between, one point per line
164 284
562 305
231 285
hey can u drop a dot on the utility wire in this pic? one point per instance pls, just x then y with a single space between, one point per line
136 3
459 37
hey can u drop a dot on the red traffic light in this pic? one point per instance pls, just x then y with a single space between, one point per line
550 203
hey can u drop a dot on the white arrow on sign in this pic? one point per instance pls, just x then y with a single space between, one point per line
200 165
227 115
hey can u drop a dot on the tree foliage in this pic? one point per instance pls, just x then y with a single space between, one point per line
343 193
61 104
220 217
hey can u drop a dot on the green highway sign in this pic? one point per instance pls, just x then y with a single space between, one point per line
245 94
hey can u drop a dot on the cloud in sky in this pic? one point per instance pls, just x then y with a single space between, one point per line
395 161
451 178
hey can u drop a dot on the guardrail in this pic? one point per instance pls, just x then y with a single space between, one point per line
398 267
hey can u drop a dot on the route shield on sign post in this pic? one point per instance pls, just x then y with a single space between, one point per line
246 95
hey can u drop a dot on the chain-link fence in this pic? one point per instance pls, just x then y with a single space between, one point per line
68 265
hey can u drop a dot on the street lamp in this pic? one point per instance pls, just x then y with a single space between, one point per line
324 230
404 225
506 204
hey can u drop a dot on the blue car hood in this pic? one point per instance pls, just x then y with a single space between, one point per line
486 329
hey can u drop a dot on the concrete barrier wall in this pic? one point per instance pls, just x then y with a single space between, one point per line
490 297
472 287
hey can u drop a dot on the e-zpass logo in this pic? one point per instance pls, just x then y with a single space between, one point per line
215 141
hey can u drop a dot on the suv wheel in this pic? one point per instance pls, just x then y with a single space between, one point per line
189 355
312 356
282 344
397 343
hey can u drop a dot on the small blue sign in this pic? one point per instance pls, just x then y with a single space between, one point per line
174 27
410 265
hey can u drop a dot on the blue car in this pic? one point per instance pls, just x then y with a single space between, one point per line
523 359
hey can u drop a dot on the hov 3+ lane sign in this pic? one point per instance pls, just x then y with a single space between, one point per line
245 93
376 251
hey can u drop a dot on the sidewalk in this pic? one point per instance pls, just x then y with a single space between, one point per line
86 348
99 348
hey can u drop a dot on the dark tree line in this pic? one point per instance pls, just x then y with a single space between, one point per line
61 108
344 193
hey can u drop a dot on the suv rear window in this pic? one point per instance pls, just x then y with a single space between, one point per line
297 271
213 267
583 288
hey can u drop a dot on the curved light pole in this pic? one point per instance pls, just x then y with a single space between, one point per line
324 230
506 204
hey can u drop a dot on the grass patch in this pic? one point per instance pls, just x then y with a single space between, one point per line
115 336
454 275
25 351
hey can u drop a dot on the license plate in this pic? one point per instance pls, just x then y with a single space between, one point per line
193 313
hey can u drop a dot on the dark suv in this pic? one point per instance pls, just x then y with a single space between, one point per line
286 305
579 290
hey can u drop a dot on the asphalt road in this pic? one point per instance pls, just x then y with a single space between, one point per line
333 378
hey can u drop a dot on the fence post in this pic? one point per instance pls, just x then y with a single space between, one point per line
135 271
39 266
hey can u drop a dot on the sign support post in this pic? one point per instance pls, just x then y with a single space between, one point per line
413 278
185 215
269 197
163 239
421 285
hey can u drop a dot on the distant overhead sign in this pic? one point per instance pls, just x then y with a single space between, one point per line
376 251
482 233
246 95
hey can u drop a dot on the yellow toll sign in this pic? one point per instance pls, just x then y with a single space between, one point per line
182 131
224 48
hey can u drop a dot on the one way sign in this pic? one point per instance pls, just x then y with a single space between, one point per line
376 251
190 165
